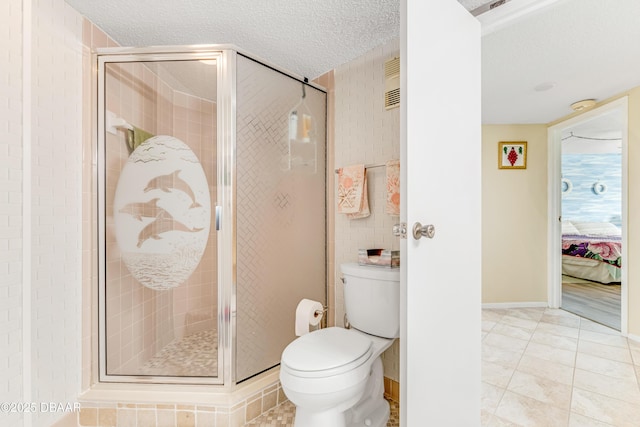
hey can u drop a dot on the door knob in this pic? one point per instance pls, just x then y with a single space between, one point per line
420 230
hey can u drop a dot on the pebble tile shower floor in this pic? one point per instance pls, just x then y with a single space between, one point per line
283 415
195 355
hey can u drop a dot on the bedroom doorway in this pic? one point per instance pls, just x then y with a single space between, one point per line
588 153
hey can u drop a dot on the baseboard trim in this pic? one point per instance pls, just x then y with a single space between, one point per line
633 337
515 305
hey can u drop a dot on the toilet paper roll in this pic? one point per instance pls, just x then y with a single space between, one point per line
305 315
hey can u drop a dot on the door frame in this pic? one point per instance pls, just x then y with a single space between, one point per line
554 232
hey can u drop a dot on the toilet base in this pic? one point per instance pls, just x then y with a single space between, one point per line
331 418
376 418
371 411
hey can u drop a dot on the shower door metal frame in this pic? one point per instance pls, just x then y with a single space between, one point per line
226 56
225 174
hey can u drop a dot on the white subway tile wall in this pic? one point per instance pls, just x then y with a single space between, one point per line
56 203
366 133
89 202
43 122
11 180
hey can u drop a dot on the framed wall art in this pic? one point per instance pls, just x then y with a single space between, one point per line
512 155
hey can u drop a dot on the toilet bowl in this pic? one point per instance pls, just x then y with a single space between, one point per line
334 376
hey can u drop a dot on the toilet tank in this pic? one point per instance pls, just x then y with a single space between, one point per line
372 299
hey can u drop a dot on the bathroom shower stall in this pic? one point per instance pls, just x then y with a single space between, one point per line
211 216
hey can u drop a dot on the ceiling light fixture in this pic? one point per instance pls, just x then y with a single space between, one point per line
583 105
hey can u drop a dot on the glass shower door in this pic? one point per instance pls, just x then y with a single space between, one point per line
280 210
159 238
181 135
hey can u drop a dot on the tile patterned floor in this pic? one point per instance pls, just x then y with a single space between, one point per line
283 416
280 416
544 367
547 367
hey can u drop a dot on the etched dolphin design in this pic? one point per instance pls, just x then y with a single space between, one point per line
163 223
172 181
148 209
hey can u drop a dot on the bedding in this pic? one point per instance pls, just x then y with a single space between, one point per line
591 251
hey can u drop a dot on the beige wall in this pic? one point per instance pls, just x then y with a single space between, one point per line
514 218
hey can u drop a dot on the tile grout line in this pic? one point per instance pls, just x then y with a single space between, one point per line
583 335
530 340
486 333
636 368
575 366
573 387
506 388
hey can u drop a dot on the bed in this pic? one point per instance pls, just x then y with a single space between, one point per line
591 251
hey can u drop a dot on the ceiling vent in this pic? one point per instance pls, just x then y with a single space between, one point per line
488 6
392 83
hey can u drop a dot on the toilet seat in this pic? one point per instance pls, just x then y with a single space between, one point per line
327 352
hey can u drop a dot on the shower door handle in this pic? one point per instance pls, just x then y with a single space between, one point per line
218 214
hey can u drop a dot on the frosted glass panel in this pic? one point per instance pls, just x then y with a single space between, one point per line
280 210
160 240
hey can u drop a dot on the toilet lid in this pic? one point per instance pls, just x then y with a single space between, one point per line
332 349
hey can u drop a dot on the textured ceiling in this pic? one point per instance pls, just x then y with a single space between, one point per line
306 37
585 48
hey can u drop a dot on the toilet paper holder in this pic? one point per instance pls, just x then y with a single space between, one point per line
323 313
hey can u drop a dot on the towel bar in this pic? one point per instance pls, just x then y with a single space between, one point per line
367 167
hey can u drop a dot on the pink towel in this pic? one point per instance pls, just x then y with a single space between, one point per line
393 187
352 192
364 205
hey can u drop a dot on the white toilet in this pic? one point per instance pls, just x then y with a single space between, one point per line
334 375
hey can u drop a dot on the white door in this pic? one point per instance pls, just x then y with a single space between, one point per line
440 158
